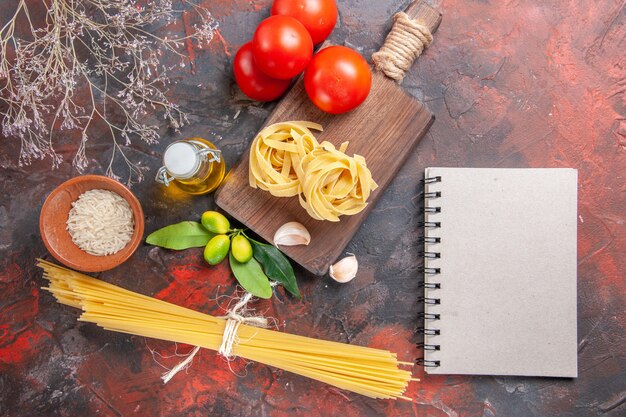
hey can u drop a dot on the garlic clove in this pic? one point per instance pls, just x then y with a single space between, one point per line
292 234
344 270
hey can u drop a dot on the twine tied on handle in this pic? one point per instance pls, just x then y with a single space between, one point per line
406 41
235 317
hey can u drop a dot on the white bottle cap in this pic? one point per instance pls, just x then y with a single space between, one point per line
181 160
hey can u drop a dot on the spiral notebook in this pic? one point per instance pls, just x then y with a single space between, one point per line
500 272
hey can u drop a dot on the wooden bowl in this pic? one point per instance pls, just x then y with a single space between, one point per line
53 224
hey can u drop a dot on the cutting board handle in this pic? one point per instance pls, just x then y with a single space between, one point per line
410 34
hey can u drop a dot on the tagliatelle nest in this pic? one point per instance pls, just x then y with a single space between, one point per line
275 157
286 160
333 183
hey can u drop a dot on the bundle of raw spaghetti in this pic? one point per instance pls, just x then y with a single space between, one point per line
367 371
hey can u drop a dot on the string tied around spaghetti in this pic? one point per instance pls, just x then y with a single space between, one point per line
234 318
406 41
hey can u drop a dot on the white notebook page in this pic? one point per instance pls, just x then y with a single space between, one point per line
508 272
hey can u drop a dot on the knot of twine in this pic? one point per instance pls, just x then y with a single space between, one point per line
406 41
234 318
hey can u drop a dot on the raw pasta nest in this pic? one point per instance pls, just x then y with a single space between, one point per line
275 156
333 183
287 160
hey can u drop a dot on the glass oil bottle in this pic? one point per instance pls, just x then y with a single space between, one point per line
193 165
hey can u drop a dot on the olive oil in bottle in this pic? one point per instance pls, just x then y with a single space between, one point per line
193 165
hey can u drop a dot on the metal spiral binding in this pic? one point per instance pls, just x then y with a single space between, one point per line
427 300
425 363
428 316
429 271
427 346
428 332
429 285
432 180
430 254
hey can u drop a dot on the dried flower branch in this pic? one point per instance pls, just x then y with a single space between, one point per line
89 62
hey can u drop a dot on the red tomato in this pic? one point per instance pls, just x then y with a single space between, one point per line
252 81
338 79
317 16
282 47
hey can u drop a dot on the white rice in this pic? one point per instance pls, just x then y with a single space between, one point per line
100 222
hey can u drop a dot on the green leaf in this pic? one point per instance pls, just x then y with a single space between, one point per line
276 266
251 277
180 236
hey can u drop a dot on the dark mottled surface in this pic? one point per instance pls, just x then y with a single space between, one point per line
514 83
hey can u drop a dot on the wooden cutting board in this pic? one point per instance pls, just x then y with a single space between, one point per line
384 129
